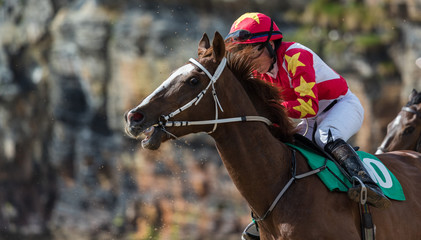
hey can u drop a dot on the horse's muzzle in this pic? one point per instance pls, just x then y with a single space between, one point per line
134 117
136 126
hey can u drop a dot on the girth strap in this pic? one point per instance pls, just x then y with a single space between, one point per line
293 178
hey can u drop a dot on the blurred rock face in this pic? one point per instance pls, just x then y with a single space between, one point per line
70 69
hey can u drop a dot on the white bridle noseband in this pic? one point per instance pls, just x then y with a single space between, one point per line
195 101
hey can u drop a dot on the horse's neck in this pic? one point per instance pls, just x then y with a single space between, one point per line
257 162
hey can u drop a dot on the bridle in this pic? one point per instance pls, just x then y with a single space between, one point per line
408 109
418 115
163 121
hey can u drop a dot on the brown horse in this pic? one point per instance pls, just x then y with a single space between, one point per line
225 104
404 132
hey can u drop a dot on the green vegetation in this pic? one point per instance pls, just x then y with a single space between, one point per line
332 28
364 41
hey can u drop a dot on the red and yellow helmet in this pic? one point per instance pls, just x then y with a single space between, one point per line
253 28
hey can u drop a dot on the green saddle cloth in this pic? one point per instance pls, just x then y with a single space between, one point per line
335 180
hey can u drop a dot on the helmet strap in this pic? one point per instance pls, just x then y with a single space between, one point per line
269 47
272 54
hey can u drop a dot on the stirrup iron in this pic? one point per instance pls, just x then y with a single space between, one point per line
363 191
251 232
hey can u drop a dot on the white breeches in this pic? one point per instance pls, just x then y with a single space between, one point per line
343 120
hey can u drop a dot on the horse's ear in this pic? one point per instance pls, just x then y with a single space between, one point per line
204 44
413 94
218 47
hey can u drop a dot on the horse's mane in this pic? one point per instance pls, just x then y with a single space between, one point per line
265 97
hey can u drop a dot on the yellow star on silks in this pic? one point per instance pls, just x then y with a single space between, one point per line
305 107
247 15
305 88
293 62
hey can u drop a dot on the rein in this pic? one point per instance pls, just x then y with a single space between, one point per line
213 78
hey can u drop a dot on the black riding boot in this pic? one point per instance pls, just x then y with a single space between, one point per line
348 159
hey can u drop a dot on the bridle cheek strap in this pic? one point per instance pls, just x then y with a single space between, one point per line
213 78
212 82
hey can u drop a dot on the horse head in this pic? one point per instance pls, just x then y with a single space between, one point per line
404 132
173 109
177 98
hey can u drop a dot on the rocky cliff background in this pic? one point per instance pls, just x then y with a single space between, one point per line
69 69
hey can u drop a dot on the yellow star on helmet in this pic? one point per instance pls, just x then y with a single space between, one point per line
305 107
305 88
293 62
247 15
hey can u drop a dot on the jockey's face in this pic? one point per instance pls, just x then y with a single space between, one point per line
263 61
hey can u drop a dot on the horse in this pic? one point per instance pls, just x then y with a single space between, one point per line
404 132
250 128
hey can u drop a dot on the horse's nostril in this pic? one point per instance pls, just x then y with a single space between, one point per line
135 116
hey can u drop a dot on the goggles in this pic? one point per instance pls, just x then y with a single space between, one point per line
244 35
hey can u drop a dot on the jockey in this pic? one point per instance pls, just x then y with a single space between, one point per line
312 92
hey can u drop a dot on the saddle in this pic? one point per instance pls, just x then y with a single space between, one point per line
300 140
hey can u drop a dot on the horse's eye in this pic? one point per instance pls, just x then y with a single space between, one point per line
408 130
193 81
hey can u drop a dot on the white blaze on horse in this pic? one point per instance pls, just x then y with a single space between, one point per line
216 93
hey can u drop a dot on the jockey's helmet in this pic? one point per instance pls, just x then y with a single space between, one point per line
253 28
